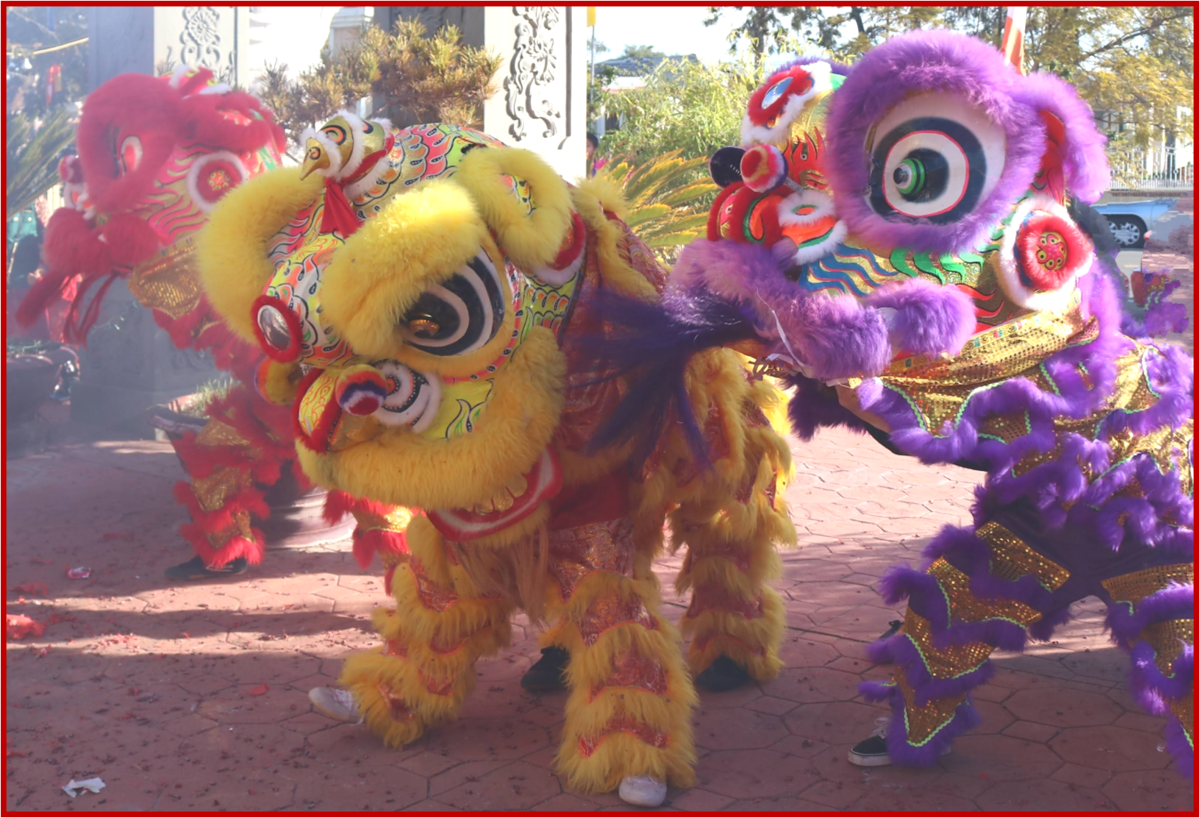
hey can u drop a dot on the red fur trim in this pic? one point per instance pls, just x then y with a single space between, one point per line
801 82
233 548
129 104
71 245
130 240
367 543
573 247
292 351
205 121
337 505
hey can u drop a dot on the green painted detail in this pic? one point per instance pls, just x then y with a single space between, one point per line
952 265
915 409
900 262
971 258
925 265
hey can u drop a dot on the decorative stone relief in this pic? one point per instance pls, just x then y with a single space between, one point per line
200 43
532 71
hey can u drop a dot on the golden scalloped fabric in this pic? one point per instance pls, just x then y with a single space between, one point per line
921 722
967 607
1136 586
948 662
1168 638
578 551
169 283
1012 558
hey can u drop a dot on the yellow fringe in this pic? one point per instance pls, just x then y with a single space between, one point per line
621 754
738 638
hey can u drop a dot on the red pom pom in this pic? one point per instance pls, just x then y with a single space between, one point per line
361 392
763 168
1051 251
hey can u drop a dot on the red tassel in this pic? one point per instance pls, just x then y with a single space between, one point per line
339 215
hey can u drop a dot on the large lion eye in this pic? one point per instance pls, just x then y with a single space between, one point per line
460 315
129 154
933 157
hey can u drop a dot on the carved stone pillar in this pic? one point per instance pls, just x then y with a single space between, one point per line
129 363
541 102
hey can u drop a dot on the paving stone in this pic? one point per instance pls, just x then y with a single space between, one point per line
753 774
1110 748
1044 796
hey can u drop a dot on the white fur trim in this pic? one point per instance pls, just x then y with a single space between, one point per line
824 204
177 75
193 176
557 278
761 135
335 156
1010 275
219 88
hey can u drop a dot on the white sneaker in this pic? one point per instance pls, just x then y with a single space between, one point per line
336 704
643 791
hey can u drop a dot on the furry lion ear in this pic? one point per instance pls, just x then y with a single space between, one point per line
531 227
1075 160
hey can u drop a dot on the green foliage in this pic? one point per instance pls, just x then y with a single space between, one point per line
685 106
668 199
32 149
1133 64
419 78
206 394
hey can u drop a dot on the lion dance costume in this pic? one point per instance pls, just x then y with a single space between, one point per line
155 157
896 240
441 297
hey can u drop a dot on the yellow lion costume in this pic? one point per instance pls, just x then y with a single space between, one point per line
434 302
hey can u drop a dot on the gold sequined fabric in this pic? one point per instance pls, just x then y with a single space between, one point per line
1012 558
967 607
923 721
396 519
609 611
1136 586
170 282
948 662
578 551
1168 638
215 433
214 491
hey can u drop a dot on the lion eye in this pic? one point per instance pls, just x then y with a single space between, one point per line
460 315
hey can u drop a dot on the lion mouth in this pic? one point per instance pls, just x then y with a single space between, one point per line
543 481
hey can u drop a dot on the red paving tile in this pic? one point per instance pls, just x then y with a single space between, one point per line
1058 732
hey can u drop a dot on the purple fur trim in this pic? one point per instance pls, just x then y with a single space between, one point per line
1150 687
835 336
1180 749
899 750
929 61
1162 318
930 318
1085 163
813 405
1172 602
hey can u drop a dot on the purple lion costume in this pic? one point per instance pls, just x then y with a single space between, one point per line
904 243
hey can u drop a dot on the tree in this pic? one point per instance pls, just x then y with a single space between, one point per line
686 106
418 78
642 52
1133 64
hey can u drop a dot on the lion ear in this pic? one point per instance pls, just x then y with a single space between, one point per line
231 249
525 204
1075 158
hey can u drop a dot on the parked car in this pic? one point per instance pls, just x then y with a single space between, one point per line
1130 220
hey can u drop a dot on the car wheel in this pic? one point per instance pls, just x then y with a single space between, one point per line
1129 231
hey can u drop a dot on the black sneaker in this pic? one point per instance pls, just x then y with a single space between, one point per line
195 569
548 673
722 675
872 752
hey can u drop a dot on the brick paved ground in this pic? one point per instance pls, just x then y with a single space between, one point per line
152 688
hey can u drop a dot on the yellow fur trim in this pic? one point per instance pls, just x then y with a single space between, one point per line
404 469
608 237
531 240
752 643
232 248
417 240
621 754
279 386
607 193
